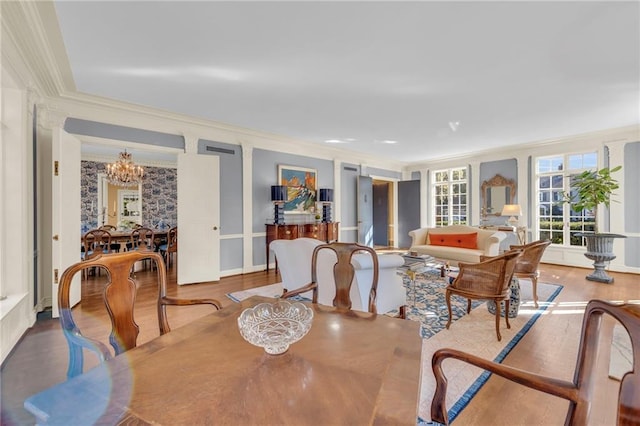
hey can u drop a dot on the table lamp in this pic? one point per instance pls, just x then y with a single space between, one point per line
512 210
278 196
326 197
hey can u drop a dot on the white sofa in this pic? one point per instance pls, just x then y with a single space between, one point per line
487 243
294 262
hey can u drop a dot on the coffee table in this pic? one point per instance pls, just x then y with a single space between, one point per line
415 265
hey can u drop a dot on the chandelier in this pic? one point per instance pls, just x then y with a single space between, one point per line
124 172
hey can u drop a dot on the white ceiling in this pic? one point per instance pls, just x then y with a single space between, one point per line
439 78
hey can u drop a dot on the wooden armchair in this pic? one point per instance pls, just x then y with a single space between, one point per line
343 273
527 265
579 391
487 280
119 297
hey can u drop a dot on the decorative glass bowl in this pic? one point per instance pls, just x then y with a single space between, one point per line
275 326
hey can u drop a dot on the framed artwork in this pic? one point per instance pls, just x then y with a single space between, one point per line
302 186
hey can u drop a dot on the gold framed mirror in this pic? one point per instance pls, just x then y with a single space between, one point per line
496 192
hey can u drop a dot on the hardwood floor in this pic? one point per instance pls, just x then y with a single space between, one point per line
549 348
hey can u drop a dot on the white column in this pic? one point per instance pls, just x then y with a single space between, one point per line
616 209
247 207
474 213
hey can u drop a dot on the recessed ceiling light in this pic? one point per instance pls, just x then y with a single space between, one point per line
453 125
390 142
333 141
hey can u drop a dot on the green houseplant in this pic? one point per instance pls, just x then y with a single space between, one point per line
593 188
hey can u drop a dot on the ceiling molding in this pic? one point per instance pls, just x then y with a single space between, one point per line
111 111
41 47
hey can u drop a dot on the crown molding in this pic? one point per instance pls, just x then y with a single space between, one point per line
111 111
590 139
32 27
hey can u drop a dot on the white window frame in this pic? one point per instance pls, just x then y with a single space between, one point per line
450 183
566 173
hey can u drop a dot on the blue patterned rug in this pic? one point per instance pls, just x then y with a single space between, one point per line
426 302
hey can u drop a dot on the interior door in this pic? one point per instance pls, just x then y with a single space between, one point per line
381 213
365 210
408 210
65 226
198 218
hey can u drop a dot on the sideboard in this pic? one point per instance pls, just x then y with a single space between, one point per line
323 231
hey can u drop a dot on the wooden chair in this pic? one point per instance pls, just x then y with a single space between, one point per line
527 264
142 239
95 243
343 273
167 250
487 280
579 391
114 246
119 297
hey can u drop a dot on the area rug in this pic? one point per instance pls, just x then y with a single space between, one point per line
474 333
621 360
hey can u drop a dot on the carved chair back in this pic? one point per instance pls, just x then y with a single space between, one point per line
96 242
343 273
142 239
119 298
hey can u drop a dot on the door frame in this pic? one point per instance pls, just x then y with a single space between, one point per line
394 204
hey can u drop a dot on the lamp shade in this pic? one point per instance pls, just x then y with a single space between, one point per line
511 210
278 193
326 194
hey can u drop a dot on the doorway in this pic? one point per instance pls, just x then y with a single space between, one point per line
383 213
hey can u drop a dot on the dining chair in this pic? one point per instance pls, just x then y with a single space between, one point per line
95 242
528 262
113 246
343 274
486 280
579 391
119 298
142 238
168 249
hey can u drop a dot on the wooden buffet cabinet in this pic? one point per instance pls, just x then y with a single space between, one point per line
323 231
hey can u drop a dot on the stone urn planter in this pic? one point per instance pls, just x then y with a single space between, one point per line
600 250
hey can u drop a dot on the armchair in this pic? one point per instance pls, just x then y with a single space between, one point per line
528 262
488 280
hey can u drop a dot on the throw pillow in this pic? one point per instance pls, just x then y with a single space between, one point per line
455 240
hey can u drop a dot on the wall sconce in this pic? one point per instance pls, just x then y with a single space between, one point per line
512 210
326 197
278 196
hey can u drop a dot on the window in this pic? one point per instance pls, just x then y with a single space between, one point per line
557 221
450 197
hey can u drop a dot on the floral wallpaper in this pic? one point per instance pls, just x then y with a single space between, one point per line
159 196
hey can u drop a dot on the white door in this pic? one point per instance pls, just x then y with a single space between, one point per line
198 218
65 199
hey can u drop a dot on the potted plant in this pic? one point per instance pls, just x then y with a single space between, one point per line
591 190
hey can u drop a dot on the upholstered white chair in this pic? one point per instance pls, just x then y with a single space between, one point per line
294 262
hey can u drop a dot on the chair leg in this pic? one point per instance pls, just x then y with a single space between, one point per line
534 284
506 312
448 297
403 312
498 320
468 306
